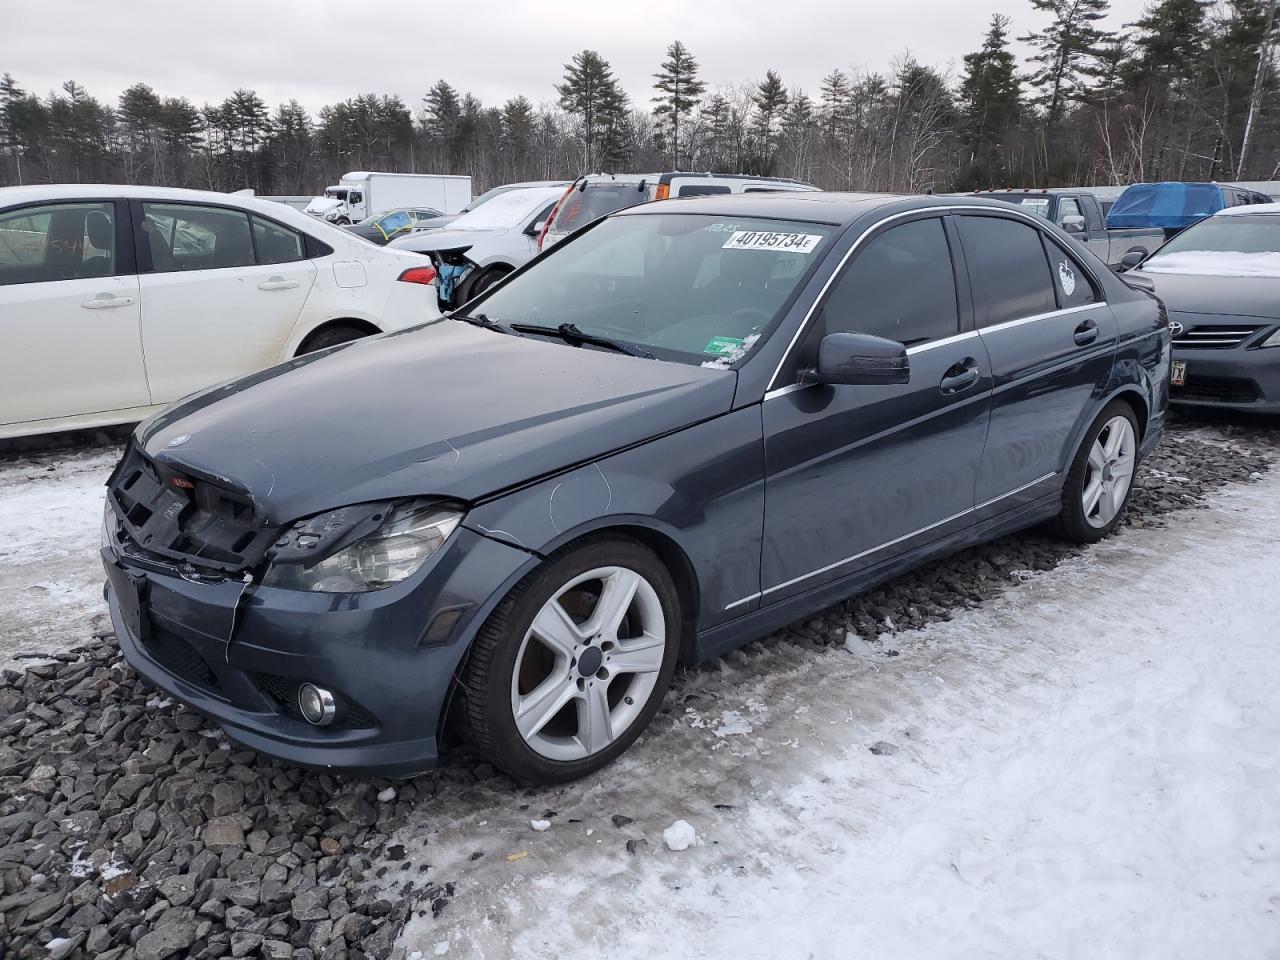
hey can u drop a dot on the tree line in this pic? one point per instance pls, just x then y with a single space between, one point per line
1187 92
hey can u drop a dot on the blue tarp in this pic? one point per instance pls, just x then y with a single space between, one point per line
1167 206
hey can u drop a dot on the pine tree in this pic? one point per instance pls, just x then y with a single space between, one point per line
1067 50
679 90
11 99
835 109
443 108
592 95
990 100
769 100
1170 41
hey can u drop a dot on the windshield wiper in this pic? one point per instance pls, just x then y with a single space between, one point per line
480 320
575 336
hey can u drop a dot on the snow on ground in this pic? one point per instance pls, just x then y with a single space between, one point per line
50 575
1087 768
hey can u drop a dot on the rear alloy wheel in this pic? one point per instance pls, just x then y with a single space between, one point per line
1101 476
571 667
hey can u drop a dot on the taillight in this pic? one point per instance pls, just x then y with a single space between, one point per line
551 217
664 191
425 275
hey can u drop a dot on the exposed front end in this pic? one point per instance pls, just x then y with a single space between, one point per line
315 670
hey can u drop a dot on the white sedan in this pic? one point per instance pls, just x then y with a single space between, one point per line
117 300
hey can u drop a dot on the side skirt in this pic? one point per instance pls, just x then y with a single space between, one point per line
721 639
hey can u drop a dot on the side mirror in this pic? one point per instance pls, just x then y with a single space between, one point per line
1133 257
535 229
1074 223
859 359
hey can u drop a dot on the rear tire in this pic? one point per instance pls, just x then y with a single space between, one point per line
481 282
547 696
1100 480
331 337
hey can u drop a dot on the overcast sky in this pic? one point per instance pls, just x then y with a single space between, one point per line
321 51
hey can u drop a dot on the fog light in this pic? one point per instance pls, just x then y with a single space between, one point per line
316 704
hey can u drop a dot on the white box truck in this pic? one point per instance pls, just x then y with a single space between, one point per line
362 193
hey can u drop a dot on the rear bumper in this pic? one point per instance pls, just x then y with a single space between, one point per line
1235 379
391 683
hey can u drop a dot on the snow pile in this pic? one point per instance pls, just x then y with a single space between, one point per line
1215 263
387 795
540 825
679 836
857 646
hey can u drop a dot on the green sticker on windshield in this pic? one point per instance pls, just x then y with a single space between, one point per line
723 346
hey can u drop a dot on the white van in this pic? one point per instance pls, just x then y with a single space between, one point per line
361 194
596 195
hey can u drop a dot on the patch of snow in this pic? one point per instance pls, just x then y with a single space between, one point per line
57 942
679 836
1215 263
441 948
387 795
732 724
540 825
857 646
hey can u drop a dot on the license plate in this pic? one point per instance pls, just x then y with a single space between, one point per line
1179 376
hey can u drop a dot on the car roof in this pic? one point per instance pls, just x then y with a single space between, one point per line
1248 209
814 206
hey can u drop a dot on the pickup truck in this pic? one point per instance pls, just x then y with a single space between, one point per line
1079 214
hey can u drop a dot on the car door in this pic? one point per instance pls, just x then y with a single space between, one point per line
68 312
221 291
856 475
1051 340
1099 241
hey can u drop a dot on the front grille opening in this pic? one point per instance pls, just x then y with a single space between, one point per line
283 692
181 659
1214 338
138 515
1217 390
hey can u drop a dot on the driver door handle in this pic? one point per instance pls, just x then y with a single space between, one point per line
1086 333
960 376
277 283
106 302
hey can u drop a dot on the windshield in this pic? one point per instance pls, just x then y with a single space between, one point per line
510 209
601 197
486 197
1230 246
1037 205
389 223
694 288
338 193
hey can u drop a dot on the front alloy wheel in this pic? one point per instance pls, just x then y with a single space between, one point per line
573 664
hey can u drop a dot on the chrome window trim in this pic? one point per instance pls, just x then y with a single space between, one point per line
1013 213
1065 311
889 543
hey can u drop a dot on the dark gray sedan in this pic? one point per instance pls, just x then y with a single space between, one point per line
1220 280
680 429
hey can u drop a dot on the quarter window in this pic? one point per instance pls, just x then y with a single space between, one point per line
1073 286
1010 270
64 241
702 189
187 237
277 244
899 287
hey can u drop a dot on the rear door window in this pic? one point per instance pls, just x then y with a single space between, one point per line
900 287
59 241
1009 269
188 237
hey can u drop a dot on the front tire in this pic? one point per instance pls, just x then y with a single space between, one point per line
574 662
1100 480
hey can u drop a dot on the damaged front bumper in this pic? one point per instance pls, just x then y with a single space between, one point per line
237 652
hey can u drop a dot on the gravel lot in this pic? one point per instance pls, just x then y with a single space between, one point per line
131 829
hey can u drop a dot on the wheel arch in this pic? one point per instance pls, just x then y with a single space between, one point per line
369 327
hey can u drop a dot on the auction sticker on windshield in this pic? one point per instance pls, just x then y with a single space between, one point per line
758 240
723 346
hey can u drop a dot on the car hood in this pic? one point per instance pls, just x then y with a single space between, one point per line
447 239
445 409
1217 296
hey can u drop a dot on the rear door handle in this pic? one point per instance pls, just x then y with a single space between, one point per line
106 302
1086 333
277 283
961 376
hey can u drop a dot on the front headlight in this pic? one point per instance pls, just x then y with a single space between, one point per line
357 549
1273 340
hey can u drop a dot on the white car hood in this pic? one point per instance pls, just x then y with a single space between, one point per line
322 205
